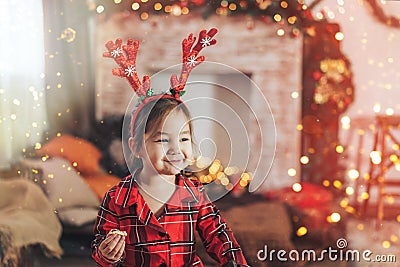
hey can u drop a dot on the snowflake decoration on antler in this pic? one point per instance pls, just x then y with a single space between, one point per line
116 52
191 61
125 57
206 41
191 58
130 70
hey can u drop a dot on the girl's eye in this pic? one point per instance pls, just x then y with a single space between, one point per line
185 139
162 140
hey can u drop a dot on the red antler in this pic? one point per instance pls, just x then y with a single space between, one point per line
127 65
190 58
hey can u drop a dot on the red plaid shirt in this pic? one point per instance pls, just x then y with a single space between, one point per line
170 239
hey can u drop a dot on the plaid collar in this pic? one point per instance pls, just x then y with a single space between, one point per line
127 193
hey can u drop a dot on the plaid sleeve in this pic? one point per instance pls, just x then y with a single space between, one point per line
106 220
217 237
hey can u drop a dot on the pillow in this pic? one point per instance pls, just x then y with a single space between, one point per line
101 183
79 152
62 184
78 216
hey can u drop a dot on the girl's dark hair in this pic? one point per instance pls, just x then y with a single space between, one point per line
152 115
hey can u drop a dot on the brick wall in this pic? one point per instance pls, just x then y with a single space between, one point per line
274 64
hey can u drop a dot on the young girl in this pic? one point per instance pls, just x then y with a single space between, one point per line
157 209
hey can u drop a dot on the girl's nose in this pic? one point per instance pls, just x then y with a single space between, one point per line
173 148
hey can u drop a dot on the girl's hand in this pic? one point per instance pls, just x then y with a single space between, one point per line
112 247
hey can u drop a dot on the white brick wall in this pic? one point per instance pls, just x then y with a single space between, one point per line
273 62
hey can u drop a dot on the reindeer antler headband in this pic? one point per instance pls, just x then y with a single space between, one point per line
125 57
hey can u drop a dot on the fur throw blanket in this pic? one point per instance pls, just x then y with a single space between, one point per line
26 218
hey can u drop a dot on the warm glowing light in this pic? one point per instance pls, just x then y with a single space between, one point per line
296 187
350 209
398 218
225 181
397 166
389 111
185 10
280 32
360 226
38 145
319 15
388 86
337 184
339 36
349 190
135 6
243 183
386 244
245 176
326 183
100 9
345 120
393 158
339 149
157 6
377 107
344 203
168 9
144 15
232 6
117 1
277 17
60 200
229 171
176 10
353 174
299 127
376 157
284 4
215 167
301 231
335 217
224 3
294 95
394 238
304 160
220 175
364 195
292 20
263 5
292 172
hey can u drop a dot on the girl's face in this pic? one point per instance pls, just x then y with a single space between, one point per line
168 149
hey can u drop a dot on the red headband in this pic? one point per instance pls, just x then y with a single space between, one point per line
125 57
